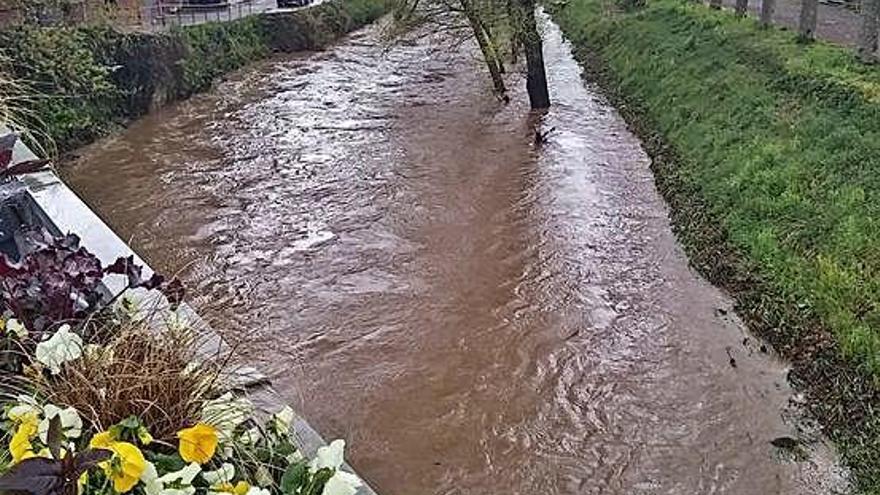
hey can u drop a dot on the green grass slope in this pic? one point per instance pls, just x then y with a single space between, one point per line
768 151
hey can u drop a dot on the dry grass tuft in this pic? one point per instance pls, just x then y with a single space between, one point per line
157 376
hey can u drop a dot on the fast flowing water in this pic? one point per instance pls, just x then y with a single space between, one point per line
474 314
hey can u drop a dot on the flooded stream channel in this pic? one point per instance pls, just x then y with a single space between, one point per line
474 315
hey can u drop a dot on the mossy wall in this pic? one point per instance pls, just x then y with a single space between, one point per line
82 83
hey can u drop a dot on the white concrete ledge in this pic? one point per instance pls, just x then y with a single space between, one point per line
65 212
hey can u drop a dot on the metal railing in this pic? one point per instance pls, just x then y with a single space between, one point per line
163 15
157 16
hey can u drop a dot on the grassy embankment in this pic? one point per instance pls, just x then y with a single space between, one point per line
81 83
768 151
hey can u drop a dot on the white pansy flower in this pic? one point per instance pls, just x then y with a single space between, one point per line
62 347
128 308
185 476
154 485
16 328
342 483
227 412
331 457
223 475
71 423
150 479
187 490
283 420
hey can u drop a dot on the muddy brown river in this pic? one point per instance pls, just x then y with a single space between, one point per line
475 315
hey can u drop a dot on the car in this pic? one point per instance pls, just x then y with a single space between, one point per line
204 3
286 4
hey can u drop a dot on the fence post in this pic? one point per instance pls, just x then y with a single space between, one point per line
767 8
741 7
807 26
868 36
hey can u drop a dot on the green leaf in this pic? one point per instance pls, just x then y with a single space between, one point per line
296 476
166 463
319 479
130 423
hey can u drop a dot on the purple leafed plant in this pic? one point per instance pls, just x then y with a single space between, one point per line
60 282
58 475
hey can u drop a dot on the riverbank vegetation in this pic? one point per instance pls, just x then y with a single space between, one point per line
767 150
102 394
80 83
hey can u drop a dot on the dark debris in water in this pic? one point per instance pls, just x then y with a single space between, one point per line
732 360
791 448
785 443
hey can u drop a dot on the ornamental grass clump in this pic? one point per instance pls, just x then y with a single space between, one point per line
141 372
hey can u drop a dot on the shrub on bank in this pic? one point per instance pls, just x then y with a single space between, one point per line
214 49
78 84
66 90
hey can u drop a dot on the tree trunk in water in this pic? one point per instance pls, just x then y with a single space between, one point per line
495 71
741 7
767 8
530 39
493 48
513 15
485 45
807 27
868 37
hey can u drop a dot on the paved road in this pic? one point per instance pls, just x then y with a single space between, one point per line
836 23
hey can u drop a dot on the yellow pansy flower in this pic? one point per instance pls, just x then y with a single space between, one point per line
198 444
127 464
240 488
20 445
101 440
